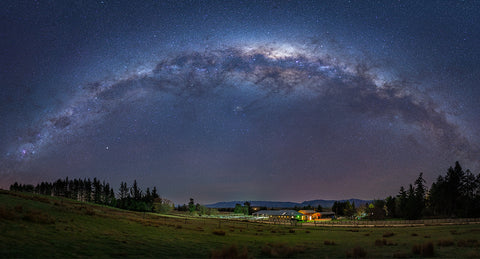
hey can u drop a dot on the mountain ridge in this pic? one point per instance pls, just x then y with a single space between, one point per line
286 204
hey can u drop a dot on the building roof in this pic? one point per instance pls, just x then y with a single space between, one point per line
278 213
307 211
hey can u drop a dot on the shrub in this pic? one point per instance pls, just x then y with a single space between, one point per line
89 212
417 249
357 252
328 243
384 242
37 217
388 234
445 242
425 249
19 209
281 250
218 232
467 243
291 231
231 252
6 214
379 242
40 199
178 226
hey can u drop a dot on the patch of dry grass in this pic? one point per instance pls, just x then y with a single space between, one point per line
425 249
231 251
281 250
356 252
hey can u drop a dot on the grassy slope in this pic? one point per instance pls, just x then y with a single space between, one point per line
39 226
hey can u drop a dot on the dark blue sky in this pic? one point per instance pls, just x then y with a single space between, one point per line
252 100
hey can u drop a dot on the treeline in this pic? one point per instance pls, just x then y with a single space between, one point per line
84 190
87 190
344 208
457 194
197 209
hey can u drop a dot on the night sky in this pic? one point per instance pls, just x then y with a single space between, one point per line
240 100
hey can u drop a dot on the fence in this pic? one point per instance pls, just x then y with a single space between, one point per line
377 223
395 222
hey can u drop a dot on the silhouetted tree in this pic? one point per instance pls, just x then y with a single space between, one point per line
191 205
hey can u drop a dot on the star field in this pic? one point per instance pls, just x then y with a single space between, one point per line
250 101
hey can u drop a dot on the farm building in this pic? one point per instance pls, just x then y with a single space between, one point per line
313 215
309 214
278 214
303 215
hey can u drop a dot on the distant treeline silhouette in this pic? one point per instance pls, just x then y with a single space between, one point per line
455 195
86 190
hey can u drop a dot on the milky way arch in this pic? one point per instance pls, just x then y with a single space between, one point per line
268 70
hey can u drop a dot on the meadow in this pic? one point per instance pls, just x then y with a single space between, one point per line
41 226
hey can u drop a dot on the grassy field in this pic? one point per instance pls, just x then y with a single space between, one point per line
39 226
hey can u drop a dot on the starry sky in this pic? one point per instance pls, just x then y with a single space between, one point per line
240 100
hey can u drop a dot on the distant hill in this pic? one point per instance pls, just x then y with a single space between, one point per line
329 203
283 204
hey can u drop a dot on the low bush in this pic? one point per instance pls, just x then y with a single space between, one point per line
425 250
384 242
89 211
218 232
388 234
468 243
291 231
445 242
356 252
19 208
281 250
231 252
38 217
40 199
6 214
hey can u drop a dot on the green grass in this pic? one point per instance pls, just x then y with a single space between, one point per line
40 226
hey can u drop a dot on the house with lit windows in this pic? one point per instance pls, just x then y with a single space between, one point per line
302 215
314 215
275 215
